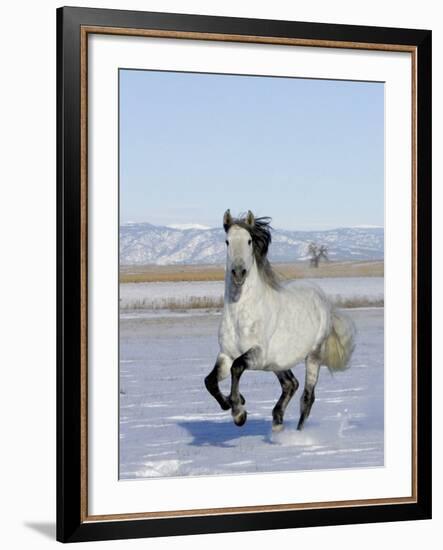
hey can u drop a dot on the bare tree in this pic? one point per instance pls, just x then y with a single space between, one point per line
317 253
313 253
323 253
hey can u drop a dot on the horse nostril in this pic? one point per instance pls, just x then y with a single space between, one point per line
238 272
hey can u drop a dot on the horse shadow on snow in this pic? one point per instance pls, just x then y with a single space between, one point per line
224 434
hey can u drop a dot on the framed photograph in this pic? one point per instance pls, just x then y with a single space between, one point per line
244 274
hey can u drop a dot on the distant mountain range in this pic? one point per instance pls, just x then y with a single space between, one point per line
143 243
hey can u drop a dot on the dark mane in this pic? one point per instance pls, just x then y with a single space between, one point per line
261 237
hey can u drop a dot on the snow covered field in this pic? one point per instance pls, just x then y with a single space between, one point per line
157 295
171 426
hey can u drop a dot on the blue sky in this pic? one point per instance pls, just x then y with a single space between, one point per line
308 153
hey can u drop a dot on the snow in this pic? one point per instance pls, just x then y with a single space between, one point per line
171 426
155 295
185 226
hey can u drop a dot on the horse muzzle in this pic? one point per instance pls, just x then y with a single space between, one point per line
238 275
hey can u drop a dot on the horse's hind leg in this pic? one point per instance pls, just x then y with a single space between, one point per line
308 397
289 385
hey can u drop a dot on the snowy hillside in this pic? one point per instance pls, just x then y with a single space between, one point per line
143 243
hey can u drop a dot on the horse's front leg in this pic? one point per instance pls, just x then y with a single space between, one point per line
220 371
249 360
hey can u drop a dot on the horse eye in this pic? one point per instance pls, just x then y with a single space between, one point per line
250 242
227 243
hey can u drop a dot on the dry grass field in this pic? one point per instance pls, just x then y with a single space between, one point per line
296 270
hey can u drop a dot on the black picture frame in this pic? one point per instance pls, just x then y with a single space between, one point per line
72 525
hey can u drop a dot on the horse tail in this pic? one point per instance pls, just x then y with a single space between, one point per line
339 345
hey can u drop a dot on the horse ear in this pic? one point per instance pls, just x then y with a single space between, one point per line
250 220
227 220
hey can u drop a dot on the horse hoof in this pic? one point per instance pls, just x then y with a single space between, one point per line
240 418
277 427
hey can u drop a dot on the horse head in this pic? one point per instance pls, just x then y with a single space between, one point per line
239 246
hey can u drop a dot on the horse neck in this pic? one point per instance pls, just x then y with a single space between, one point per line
251 289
